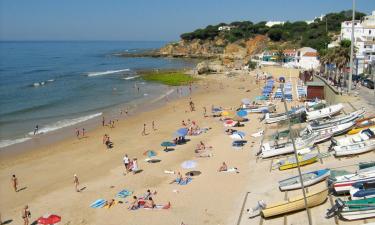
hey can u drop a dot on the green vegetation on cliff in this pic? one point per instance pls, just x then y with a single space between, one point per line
316 35
172 78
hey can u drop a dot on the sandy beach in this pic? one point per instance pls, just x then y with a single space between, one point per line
46 174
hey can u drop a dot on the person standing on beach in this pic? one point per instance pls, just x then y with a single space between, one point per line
14 182
126 163
144 130
204 111
77 133
153 126
103 121
83 132
36 129
76 182
26 215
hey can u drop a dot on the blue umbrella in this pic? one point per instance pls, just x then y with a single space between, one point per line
182 132
242 113
150 153
167 144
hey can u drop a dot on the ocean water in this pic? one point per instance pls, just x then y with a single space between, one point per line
60 84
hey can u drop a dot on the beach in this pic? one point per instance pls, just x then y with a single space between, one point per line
45 174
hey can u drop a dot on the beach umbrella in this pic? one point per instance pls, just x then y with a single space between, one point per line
239 135
150 153
49 219
215 110
189 164
182 132
167 144
227 113
246 101
229 123
241 113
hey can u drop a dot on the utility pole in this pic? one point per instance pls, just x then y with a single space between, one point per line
296 156
351 50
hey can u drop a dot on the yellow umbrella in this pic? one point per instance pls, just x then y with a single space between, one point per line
228 113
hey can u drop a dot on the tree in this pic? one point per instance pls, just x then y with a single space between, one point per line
280 56
275 34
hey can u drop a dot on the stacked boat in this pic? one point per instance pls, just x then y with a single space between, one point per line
270 118
355 144
364 123
325 112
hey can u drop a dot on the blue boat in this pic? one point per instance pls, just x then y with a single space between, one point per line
363 189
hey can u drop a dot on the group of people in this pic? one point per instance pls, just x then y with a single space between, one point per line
130 165
144 201
192 126
80 133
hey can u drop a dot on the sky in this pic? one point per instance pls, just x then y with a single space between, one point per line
148 20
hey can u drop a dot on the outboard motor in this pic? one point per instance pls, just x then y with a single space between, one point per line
339 204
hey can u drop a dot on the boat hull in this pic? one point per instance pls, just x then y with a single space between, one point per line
306 183
295 204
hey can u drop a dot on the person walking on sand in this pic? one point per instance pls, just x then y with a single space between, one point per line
76 182
144 130
153 126
36 129
103 121
83 132
14 182
204 111
26 215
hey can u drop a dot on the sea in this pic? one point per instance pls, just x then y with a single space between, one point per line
59 84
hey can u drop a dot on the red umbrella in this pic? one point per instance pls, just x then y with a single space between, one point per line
49 219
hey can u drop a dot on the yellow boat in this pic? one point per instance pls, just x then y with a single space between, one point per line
290 163
295 204
362 124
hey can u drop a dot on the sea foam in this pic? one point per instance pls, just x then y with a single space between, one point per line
5 143
93 74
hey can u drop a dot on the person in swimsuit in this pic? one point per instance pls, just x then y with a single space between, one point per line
26 215
223 167
15 183
134 204
149 203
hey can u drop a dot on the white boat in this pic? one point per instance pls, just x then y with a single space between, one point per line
320 124
355 138
268 150
278 117
322 135
343 183
353 209
325 112
269 107
309 178
336 129
356 148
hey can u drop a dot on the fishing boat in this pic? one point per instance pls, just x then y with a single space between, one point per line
342 182
361 190
363 124
295 204
355 148
286 148
309 178
278 117
325 112
291 162
353 209
320 124
355 138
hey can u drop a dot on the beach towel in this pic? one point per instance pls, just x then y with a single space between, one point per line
231 170
183 182
124 193
98 203
108 207
159 207
258 134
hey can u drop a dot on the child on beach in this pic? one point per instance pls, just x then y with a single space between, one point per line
77 133
15 183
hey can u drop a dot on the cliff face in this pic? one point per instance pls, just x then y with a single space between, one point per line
230 54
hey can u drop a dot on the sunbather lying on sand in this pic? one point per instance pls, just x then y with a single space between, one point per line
180 179
110 203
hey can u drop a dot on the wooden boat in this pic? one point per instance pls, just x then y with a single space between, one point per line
290 162
356 148
320 124
286 148
361 190
355 138
342 183
353 209
325 112
295 204
309 178
363 124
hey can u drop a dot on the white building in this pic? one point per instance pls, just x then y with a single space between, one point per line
307 58
224 28
273 23
364 40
